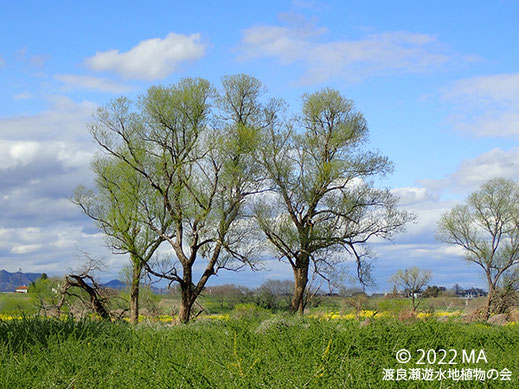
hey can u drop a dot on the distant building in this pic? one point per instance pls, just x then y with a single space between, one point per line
471 293
21 289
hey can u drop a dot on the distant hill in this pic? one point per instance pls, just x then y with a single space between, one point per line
9 281
114 284
119 285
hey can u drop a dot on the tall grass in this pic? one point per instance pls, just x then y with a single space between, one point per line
269 352
17 303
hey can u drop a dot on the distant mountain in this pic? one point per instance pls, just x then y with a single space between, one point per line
10 281
117 284
114 284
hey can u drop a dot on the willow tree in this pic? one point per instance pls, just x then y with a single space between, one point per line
195 150
117 204
412 281
487 228
324 208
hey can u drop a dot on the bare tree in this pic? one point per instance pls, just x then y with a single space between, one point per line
487 228
412 280
324 208
84 280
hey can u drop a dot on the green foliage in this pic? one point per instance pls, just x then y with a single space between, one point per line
45 286
392 306
17 304
324 207
249 311
147 299
485 227
277 352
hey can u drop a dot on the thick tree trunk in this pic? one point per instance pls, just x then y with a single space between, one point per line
187 300
134 292
300 281
186 303
488 307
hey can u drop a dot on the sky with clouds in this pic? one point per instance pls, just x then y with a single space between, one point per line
438 83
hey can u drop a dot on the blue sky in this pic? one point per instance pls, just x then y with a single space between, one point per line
438 83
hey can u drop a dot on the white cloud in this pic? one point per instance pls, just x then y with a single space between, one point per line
18 154
426 251
375 54
42 158
14 153
485 106
472 173
412 195
2 62
73 81
63 120
151 59
25 249
53 250
486 89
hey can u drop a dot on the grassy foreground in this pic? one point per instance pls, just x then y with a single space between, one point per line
248 352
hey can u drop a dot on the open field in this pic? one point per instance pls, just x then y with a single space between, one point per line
252 350
241 345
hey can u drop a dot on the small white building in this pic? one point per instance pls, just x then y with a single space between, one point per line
21 289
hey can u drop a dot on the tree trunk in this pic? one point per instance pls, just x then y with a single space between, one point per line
95 299
488 307
134 292
300 281
187 300
186 304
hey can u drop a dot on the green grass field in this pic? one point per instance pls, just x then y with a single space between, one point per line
253 351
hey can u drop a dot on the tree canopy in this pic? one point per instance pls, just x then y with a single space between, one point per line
324 208
486 227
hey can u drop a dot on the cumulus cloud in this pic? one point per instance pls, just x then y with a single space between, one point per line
375 54
72 81
25 248
152 59
412 195
42 158
13 154
486 89
53 249
472 173
64 120
485 106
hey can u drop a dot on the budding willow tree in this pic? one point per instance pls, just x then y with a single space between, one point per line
487 228
194 149
324 208
116 205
